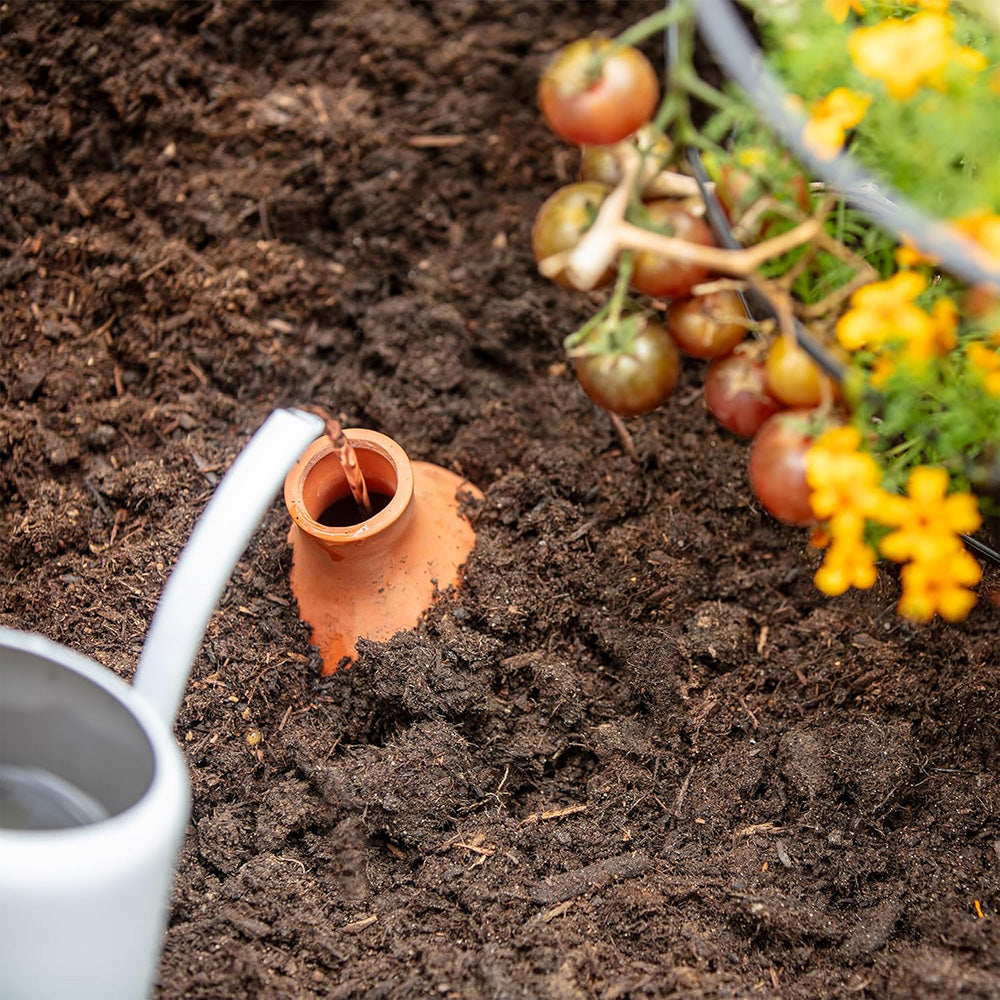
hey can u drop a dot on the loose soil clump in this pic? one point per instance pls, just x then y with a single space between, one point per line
637 754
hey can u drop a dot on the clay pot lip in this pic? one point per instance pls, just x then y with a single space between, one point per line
363 440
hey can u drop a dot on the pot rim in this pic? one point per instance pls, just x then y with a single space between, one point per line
364 441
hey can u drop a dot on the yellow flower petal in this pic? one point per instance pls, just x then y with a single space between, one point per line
839 9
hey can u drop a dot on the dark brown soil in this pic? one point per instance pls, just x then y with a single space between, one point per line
638 754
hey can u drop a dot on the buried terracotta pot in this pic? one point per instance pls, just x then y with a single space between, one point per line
357 577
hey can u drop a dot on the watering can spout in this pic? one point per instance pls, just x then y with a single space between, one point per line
208 559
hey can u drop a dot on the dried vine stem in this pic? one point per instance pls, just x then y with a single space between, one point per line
864 272
610 234
669 184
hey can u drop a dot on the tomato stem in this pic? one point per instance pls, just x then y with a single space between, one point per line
649 26
705 92
621 288
575 339
632 36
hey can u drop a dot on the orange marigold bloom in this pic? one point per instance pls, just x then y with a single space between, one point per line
927 521
939 586
909 256
983 228
908 54
882 370
987 361
843 481
904 54
830 119
849 563
940 337
884 310
839 9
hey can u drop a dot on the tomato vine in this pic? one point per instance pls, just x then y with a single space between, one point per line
886 347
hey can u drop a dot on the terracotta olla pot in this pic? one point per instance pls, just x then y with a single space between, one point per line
372 577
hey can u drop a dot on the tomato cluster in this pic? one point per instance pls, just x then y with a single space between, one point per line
596 94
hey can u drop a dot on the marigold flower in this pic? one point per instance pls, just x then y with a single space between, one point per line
969 58
830 119
839 9
819 539
907 54
884 310
940 337
882 370
939 586
909 256
927 521
987 361
843 481
846 564
983 228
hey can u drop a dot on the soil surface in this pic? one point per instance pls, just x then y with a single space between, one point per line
637 754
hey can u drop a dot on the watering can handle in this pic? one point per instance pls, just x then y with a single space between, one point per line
208 559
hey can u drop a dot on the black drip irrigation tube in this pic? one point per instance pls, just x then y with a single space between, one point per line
741 58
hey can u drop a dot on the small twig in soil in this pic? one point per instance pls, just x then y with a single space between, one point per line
625 437
682 792
97 497
436 141
265 220
521 660
359 925
486 851
755 828
591 877
553 814
749 711
583 530
556 911
762 638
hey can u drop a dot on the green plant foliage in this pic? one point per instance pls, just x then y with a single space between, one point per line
938 147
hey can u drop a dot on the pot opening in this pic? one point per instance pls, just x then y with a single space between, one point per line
327 494
345 512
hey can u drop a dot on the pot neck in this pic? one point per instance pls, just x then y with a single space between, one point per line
317 486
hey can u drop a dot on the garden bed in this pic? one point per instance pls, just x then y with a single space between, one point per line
638 754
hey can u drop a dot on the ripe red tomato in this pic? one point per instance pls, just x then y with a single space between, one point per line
563 219
597 110
635 379
708 326
793 377
778 466
659 276
736 394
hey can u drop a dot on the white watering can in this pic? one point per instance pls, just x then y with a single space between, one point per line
94 794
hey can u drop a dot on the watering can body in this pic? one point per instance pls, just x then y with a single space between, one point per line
94 795
83 908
